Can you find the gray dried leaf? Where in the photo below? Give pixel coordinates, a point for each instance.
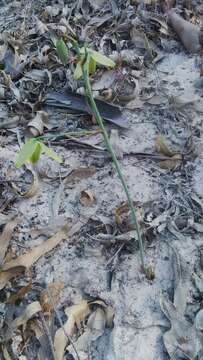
(41, 27)
(97, 4)
(135, 104)
(39, 76)
(198, 227)
(182, 336)
(105, 81)
(116, 143)
(52, 11)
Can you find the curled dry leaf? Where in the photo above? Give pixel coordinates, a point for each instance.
(6, 236)
(76, 315)
(175, 159)
(96, 320)
(87, 198)
(50, 296)
(171, 164)
(101, 317)
(32, 191)
(161, 146)
(15, 267)
(31, 310)
(37, 125)
(20, 294)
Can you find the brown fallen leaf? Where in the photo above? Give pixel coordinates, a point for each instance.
(28, 259)
(49, 297)
(5, 276)
(20, 294)
(76, 315)
(36, 327)
(15, 267)
(175, 159)
(98, 320)
(6, 236)
(171, 164)
(161, 147)
(123, 216)
(87, 198)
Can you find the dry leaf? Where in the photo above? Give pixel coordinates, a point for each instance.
(123, 216)
(157, 100)
(87, 198)
(28, 259)
(36, 125)
(172, 163)
(15, 267)
(135, 104)
(5, 237)
(109, 311)
(20, 294)
(31, 310)
(36, 328)
(50, 296)
(5, 218)
(80, 174)
(33, 188)
(97, 322)
(5, 276)
(76, 315)
(161, 146)
(41, 27)
(116, 143)
(5, 353)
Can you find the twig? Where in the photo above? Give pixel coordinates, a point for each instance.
(99, 119)
(115, 255)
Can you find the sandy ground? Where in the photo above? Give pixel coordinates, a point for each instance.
(81, 262)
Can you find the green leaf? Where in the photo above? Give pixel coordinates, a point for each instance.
(25, 153)
(92, 65)
(62, 51)
(78, 71)
(36, 154)
(45, 149)
(99, 57)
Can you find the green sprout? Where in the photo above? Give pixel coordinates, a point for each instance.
(31, 151)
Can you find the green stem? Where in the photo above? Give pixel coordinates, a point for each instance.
(99, 119)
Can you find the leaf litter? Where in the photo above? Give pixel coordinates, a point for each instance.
(153, 78)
